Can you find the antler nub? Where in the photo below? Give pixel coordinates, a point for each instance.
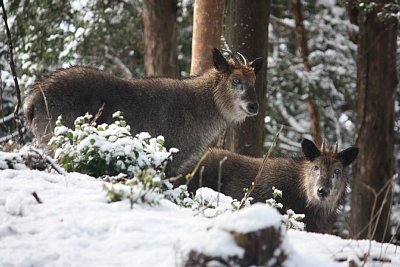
(235, 60)
(243, 58)
(323, 146)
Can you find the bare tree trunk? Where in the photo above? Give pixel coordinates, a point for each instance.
(207, 29)
(246, 31)
(301, 40)
(301, 33)
(315, 130)
(376, 85)
(160, 44)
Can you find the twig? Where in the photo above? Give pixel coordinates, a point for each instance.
(54, 165)
(47, 110)
(37, 198)
(374, 215)
(281, 22)
(1, 101)
(260, 170)
(201, 176)
(189, 176)
(98, 114)
(209, 205)
(17, 120)
(111, 55)
(220, 177)
(43, 158)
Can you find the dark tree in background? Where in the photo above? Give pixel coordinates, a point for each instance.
(246, 31)
(160, 38)
(302, 46)
(376, 84)
(207, 29)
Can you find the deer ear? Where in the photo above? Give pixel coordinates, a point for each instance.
(348, 155)
(219, 61)
(310, 150)
(257, 64)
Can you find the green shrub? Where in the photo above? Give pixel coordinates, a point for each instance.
(108, 149)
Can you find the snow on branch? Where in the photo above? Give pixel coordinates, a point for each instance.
(110, 54)
(292, 121)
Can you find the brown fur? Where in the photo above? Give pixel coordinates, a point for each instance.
(190, 113)
(295, 176)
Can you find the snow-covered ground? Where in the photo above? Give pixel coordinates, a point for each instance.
(75, 226)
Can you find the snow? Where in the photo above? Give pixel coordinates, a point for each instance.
(254, 218)
(75, 226)
(214, 242)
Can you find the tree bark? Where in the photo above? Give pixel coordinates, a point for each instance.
(376, 85)
(301, 33)
(160, 39)
(301, 43)
(207, 29)
(246, 31)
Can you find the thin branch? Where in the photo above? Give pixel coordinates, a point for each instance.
(110, 54)
(220, 177)
(34, 194)
(260, 170)
(281, 22)
(375, 215)
(292, 121)
(201, 176)
(17, 120)
(9, 137)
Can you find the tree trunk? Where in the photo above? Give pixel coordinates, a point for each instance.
(301, 43)
(160, 43)
(301, 33)
(315, 130)
(246, 31)
(376, 84)
(261, 248)
(207, 29)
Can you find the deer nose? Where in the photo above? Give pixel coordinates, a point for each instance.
(252, 107)
(323, 192)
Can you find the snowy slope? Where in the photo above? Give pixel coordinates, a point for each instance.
(75, 226)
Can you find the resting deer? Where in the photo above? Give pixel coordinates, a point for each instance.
(314, 184)
(190, 112)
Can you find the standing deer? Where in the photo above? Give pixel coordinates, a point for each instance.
(190, 113)
(314, 184)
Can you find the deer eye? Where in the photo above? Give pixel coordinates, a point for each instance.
(316, 168)
(337, 171)
(236, 81)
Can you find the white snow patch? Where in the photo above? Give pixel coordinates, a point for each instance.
(75, 226)
(253, 218)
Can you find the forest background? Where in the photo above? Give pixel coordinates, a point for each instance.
(331, 72)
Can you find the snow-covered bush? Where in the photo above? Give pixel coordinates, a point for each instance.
(290, 219)
(11, 161)
(109, 149)
(111, 152)
(179, 195)
(147, 191)
(211, 203)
